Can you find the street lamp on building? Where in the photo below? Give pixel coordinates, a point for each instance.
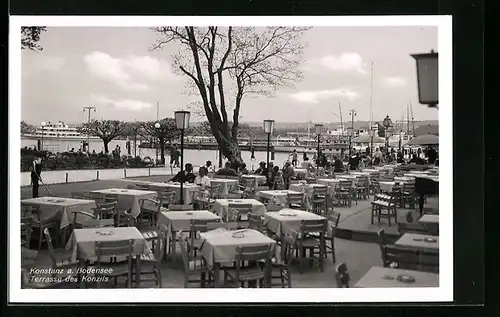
(318, 128)
(182, 123)
(157, 126)
(428, 78)
(268, 128)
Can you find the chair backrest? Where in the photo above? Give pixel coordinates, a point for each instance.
(180, 207)
(320, 190)
(114, 249)
(105, 209)
(50, 247)
(250, 184)
(184, 251)
(97, 223)
(405, 227)
(288, 245)
(294, 198)
(408, 188)
(309, 226)
(345, 184)
(26, 225)
(32, 211)
(76, 223)
(165, 197)
(215, 191)
(253, 253)
(279, 184)
(215, 225)
(333, 219)
(161, 241)
(362, 180)
(273, 207)
(98, 197)
(342, 276)
(255, 222)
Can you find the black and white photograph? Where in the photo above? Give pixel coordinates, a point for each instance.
(286, 158)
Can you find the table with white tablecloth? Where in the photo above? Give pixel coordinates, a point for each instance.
(219, 246)
(221, 207)
(278, 196)
(128, 198)
(260, 179)
(379, 277)
(225, 184)
(54, 207)
(288, 219)
(187, 190)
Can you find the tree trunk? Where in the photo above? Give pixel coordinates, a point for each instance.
(162, 150)
(106, 142)
(231, 150)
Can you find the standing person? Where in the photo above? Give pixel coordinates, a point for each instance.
(294, 156)
(36, 171)
(177, 156)
(304, 156)
(432, 155)
(288, 173)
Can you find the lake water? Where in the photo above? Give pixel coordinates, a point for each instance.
(196, 157)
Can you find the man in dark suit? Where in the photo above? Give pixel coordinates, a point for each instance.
(186, 175)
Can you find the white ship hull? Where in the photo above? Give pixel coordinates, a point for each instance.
(51, 137)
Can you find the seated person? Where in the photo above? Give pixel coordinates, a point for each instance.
(307, 164)
(209, 167)
(243, 169)
(275, 175)
(202, 179)
(226, 171)
(260, 170)
(186, 175)
(354, 162)
(338, 165)
(400, 158)
(288, 174)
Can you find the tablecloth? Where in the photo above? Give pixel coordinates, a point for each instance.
(187, 190)
(387, 277)
(220, 207)
(181, 220)
(54, 207)
(261, 179)
(279, 196)
(225, 184)
(129, 198)
(417, 241)
(279, 222)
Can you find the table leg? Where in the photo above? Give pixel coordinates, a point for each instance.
(216, 275)
(138, 271)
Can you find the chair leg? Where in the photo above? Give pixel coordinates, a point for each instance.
(40, 239)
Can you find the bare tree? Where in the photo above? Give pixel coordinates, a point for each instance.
(224, 65)
(30, 36)
(106, 130)
(166, 132)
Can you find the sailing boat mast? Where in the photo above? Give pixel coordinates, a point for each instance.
(407, 119)
(341, 119)
(412, 122)
(371, 91)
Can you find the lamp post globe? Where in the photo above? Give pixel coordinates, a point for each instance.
(157, 126)
(318, 128)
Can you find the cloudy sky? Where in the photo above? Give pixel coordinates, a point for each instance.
(114, 70)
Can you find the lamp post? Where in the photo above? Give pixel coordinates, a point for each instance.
(157, 126)
(352, 113)
(372, 135)
(318, 128)
(88, 108)
(428, 78)
(182, 123)
(268, 128)
(387, 123)
(43, 126)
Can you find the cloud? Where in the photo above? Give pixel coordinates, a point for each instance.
(346, 62)
(128, 72)
(50, 63)
(320, 95)
(124, 104)
(395, 81)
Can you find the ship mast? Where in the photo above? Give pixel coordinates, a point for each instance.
(412, 122)
(341, 119)
(371, 92)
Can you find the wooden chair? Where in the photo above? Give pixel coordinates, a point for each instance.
(154, 259)
(180, 207)
(26, 228)
(38, 224)
(342, 276)
(295, 201)
(97, 223)
(318, 199)
(278, 183)
(61, 259)
(151, 208)
(205, 200)
(384, 206)
(344, 192)
(252, 273)
(333, 222)
(105, 210)
(249, 187)
(410, 259)
(408, 196)
(98, 197)
(241, 211)
(308, 240)
(405, 227)
(284, 262)
(114, 249)
(197, 226)
(193, 267)
(362, 187)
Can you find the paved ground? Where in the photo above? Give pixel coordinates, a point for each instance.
(359, 256)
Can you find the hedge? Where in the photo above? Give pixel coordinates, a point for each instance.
(75, 160)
